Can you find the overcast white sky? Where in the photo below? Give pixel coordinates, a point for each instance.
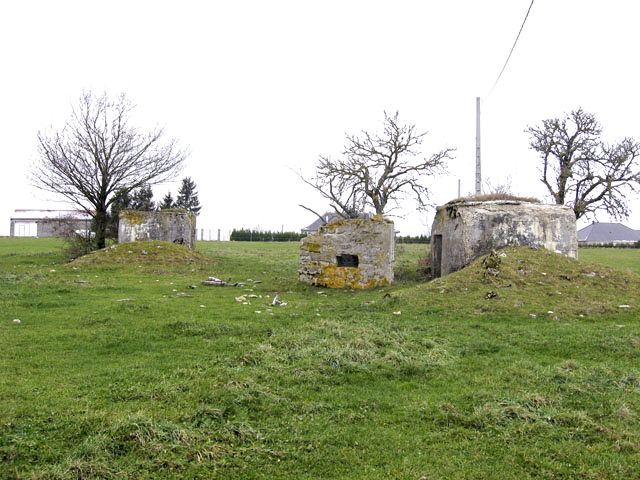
(258, 88)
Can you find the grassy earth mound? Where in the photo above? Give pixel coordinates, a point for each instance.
(534, 282)
(155, 253)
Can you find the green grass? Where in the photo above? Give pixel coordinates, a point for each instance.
(623, 258)
(119, 369)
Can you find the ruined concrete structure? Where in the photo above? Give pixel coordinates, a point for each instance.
(356, 253)
(170, 226)
(49, 223)
(464, 230)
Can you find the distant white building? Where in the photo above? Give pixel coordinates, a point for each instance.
(47, 223)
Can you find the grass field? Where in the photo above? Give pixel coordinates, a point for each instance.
(120, 369)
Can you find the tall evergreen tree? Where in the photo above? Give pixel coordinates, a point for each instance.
(188, 197)
(142, 199)
(167, 202)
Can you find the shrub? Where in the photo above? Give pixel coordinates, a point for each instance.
(78, 243)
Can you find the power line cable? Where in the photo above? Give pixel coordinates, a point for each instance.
(512, 49)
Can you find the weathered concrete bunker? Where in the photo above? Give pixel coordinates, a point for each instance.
(464, 230)
(170, 226)
(355, 253)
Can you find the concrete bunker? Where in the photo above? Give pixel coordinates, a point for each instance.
(354, 253)
(169, 226)
(464, 230)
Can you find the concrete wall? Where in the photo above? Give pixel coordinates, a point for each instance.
(177, 227)
(47, 227)
(465, 230)
(354, 253)
(61, 228)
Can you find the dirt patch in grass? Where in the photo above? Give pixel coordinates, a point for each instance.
(143, 253)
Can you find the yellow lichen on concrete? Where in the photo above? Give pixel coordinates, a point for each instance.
(370, 241)
(313, 247)
(133, 217)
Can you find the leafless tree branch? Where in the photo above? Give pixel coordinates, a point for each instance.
(580, 170)
(378, 170)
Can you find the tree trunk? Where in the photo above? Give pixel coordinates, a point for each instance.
(100, 227)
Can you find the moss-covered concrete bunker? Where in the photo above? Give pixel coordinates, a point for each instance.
(356, 253)
(464, 230)
(169, 226)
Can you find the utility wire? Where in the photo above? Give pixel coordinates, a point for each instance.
(512, 49)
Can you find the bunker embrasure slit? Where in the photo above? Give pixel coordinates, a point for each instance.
(348, 260)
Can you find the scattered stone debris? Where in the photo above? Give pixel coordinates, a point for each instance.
(624, 306)
(125, 300)
(277, 301)
(16, 320)
(216, 282)
(492, 294)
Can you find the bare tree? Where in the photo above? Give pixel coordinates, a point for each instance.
(378, 170)
(580, 170)
(98, 152)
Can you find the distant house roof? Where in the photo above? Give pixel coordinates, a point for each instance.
(33, 215)
(328, 217)
(608, 232)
